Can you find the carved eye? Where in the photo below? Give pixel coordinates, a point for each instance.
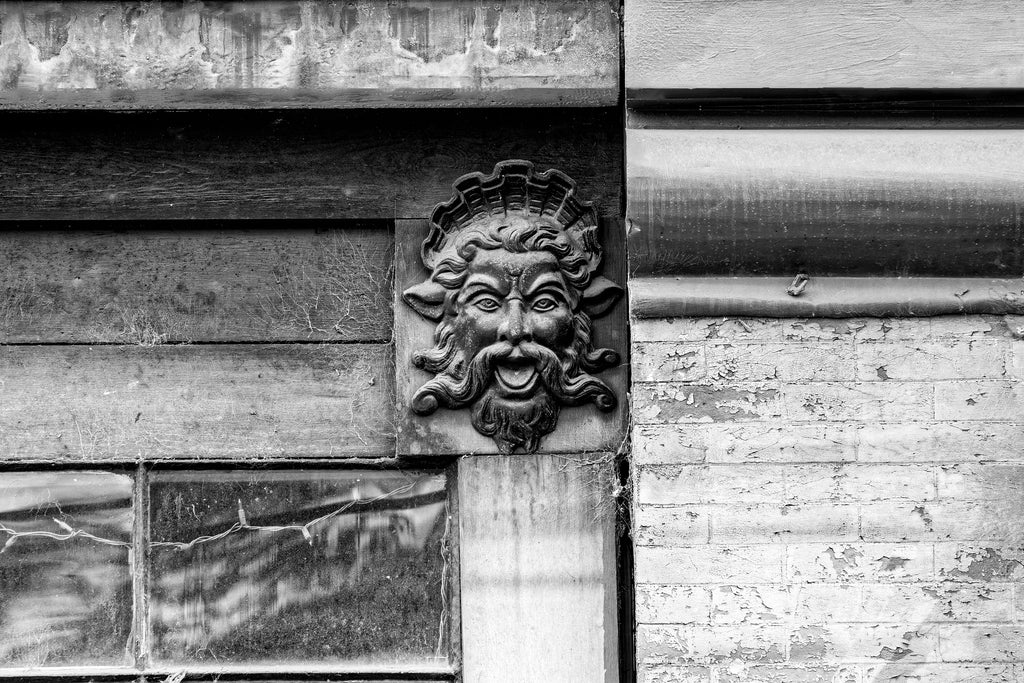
(545, 304)
(487, 304)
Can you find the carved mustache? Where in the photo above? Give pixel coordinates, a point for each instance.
(566, 384)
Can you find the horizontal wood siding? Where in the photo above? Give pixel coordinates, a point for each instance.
(826, 202)
(75, 403)
(292, 53)
(729, 44)
(225, 165)
(179, 283)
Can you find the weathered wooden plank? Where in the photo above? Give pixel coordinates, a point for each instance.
(306, 53)
(176, 284)
(285, 674)
(78, 403)
(728, 44)
(851, 202)
(537, 546)
(352, 164)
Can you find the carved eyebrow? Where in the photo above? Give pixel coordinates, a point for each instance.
(477, 284)
(547, 284)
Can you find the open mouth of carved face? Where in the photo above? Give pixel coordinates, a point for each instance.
(516, 376)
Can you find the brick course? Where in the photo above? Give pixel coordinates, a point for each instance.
(829, 500)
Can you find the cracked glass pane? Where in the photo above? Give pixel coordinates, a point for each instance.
(65, 582)
(299, 566)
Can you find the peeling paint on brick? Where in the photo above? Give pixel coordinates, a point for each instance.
(843, 561)
(984, 564)
(891, 503)
(809, 643)
(671, 402)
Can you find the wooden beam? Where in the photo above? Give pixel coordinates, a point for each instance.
(269, 165)
(718, 44)
(537, 547)
(74, 403)
(289, 53)
(849, 202)
(186, 284)
(829, 297)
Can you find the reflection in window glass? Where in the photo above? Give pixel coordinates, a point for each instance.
(65, 586)
(275, 567)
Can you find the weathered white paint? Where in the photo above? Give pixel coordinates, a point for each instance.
(301, 53)
(829, 500)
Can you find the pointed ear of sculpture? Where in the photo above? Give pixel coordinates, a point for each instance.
(427, 299)
(600, 296)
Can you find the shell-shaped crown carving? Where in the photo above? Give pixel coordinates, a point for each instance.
(514, 188)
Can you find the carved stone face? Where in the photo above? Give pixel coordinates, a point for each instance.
(519, 300)
(513, 339)
(513, 259)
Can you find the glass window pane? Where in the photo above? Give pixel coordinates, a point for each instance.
(65, 597)
(289, 566)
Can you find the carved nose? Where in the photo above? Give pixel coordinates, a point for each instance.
(514, 330)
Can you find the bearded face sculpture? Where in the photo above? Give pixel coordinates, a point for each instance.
(513, 288)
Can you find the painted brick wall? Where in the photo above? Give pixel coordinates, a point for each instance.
(834, 500)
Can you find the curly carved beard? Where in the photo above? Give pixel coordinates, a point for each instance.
(514, 423)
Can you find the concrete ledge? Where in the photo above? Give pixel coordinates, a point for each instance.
(828, 297)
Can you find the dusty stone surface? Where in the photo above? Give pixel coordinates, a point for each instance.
(829, 500)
